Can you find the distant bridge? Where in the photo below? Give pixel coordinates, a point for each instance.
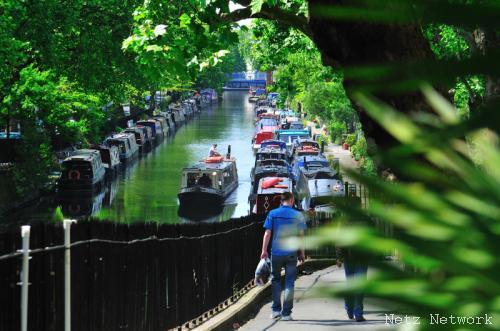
(246, 80)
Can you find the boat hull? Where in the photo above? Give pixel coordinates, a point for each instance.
(200, 197)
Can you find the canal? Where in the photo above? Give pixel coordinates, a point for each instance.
(147, 190)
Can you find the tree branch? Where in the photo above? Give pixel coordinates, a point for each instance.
(299, 22)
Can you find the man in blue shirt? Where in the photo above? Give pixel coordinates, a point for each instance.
(281, 223)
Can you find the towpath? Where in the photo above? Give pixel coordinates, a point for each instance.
(314, 313)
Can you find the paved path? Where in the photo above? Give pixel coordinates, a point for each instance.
(312, 313)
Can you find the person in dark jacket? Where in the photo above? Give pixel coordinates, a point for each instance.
(355, 267)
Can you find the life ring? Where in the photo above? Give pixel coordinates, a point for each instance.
(214, 159)
(74, 174)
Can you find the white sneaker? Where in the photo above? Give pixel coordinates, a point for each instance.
(275, 315)
(287, 318)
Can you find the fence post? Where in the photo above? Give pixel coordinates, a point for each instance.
(67, 274)
(25, 235)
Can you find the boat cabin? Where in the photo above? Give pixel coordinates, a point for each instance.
(289, 136)
(163, 123)
(208, 183)
(303, 147)
(318, 194)
(110, 157)
(126, 145)
(151, 125)
(82, 171)
(148, 135)
(269, 168)
(140, 138)
(269, 193)
(310, 164)
(267, 153)
(261, 136)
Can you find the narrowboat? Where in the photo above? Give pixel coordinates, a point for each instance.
(164, 125)
(148, 136)
(269, 194)
(155, 128)
(257, 94)
(208, 183)
(110, 157)
(264, 169)
(140, 138)
(289, 136)
(272, 149)
(316, 190)
(126, 145)
(208, 96)
(310, 164)
(302, 147)
(83, 171)
(179, 118)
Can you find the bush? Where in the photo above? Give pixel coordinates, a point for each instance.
(350, 139)
(359, 149)
(337, 129)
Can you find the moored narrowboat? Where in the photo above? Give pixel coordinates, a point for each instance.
(83, 171)
(140, 138)
(126, 146)
(148, 137)
(269, 194)
(110, 157)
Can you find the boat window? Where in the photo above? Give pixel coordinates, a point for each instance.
(81, 169)
(316, 165)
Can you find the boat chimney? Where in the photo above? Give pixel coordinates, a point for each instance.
(322, 146)
(305, 163)
(228, 152)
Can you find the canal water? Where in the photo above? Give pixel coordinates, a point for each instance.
(147, 190)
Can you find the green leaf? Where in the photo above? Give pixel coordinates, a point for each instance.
(256, 6)
(184, 20)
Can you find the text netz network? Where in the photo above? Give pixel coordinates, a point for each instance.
(485, 319)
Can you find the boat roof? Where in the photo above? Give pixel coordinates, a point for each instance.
(273, 142)
(203, 166)
(312, 158)
(275, 190)
(86, 157)
(292, 132)
(268, 150)
(325, 187)
(120, 136)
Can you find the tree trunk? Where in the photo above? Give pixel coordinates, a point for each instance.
(346, 43)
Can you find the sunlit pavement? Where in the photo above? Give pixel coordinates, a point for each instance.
(313, 313)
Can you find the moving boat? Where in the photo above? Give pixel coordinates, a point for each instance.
(208, 183)
(83, 171)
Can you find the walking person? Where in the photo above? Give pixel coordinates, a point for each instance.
(355, 267)
(281, 223)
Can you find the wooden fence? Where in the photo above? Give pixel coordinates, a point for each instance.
(128, 277)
